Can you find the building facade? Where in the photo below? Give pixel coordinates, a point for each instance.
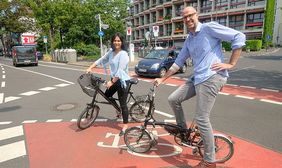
(246, 16)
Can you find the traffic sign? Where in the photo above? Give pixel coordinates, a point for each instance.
(101, 33)
(128, 31)
(45, 39)
(156, 31)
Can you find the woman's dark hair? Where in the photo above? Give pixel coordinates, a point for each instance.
(123, 47)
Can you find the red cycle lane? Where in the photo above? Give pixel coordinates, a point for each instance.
(62, 145)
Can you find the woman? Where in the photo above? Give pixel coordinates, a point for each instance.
(118, 61)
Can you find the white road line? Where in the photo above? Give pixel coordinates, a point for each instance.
(3, 72)
(5, 122)
(271, 90)
(222, 93)
(1, 98)
(170, 84)
(249, 87)
(22, 69)
(11, 132)
(170, 121)
(29, 121)
(3, 84)
(164, 114)
(101, 120)
(47, 88)
(3, 76)
(62, 85)
(245, 97)
(270, 101)
(29, 93)
(54, 120)
(231, 85)
(241, 69)
(11, 151)
(73, 120)
(11, 98)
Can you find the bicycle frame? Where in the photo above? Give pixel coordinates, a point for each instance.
(109, 100)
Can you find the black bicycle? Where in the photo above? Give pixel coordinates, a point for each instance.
(91, 85)
(140, 140)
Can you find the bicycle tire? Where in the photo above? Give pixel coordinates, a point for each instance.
(138, 140)
(139, 110)
(224, 148)
(87, 117)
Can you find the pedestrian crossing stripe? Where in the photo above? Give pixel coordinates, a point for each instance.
(15, 149)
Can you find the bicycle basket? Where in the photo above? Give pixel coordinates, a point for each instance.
(89, 83)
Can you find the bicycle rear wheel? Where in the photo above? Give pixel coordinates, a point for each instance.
(139, 110)
(138, 140)
(87, 117)
(224, 148)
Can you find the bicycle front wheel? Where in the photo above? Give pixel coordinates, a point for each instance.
(224, 148)
(138, 140)
(139, 110)
(87, 117)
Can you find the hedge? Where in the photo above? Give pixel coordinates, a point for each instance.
(253, 45)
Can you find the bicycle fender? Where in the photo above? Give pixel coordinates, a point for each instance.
(222, 135)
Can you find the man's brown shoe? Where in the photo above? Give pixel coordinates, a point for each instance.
(204, 164)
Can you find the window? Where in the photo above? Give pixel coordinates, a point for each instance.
(236, 22)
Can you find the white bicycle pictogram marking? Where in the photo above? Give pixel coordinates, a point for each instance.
(176, 150)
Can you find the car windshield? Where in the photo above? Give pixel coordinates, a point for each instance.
(29, 50)
(157, 54)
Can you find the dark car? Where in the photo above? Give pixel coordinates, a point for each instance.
(24, 55)
(157, 62)
(39, 55)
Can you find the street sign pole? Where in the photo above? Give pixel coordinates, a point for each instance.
(45, 41)
(101, 42)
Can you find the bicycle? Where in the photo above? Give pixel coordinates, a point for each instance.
(140, 140)
(91, 85)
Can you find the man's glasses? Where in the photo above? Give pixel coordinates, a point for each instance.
(189, 16)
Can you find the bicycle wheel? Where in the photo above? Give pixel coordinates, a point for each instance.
(139, 110)
(87, 117)
(223, 148)
(138, 140)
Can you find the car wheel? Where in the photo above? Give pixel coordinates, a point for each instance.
(183, 69)
(162, 72)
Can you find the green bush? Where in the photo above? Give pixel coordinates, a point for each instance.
(87, 50)
(226, 46)
(253, 45)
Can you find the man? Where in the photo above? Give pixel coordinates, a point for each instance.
(203, 45)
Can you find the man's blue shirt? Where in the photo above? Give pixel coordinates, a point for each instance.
(204, 47)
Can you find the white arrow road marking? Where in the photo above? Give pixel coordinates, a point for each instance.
(12, 151)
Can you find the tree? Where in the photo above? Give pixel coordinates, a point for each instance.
(15, 17)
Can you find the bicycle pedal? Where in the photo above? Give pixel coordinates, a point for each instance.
(195, 151)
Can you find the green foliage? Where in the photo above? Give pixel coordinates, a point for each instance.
(87, 50)
(226, 46)
(76, 21)
(268, 21)
(253, 45)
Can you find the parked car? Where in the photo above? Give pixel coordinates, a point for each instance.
(157, 63)
(24, 55)
(39, 55)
